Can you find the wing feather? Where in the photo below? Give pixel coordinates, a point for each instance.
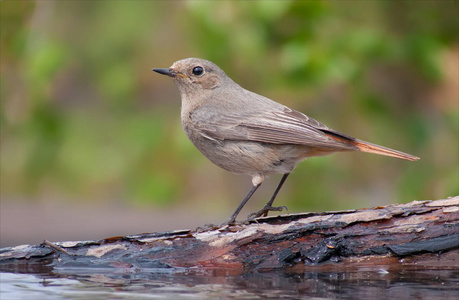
(277, 127)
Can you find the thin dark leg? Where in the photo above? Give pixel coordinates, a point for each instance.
(268, 206)
(279, 186)
(244, 201)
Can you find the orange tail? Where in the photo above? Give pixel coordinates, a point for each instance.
(371, 148)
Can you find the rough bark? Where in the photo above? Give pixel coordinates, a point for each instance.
(417, 234)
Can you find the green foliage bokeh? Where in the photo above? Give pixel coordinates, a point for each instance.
(82, 115)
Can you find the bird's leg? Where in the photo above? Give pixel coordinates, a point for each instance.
(268, 206)
(232, 219)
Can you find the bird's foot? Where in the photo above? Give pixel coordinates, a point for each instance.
(228, 222)
(265, 210)
(231, 222)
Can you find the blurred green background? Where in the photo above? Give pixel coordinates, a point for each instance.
(85, 120)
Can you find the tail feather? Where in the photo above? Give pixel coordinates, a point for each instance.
(371, 148)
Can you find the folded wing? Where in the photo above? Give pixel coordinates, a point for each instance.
(276, 127)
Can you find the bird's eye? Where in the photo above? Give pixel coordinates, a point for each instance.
(198, 71)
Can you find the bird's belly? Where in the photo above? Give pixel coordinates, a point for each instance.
(245, 157)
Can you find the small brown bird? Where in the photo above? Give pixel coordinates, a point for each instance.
(246, 133)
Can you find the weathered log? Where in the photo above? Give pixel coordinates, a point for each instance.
(418, 234)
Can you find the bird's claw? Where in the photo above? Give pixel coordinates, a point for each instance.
(265, 210)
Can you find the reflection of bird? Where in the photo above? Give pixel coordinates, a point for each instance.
(246, 133)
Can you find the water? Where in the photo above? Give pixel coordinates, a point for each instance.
(221, 284)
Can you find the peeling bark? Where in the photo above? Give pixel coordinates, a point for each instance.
(420, 233)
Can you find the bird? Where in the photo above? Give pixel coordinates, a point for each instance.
(246, 133)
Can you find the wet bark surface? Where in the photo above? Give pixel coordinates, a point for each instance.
(420, 234)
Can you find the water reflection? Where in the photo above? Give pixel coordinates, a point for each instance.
(218, 284)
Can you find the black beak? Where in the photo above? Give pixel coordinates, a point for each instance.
(168, 72)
